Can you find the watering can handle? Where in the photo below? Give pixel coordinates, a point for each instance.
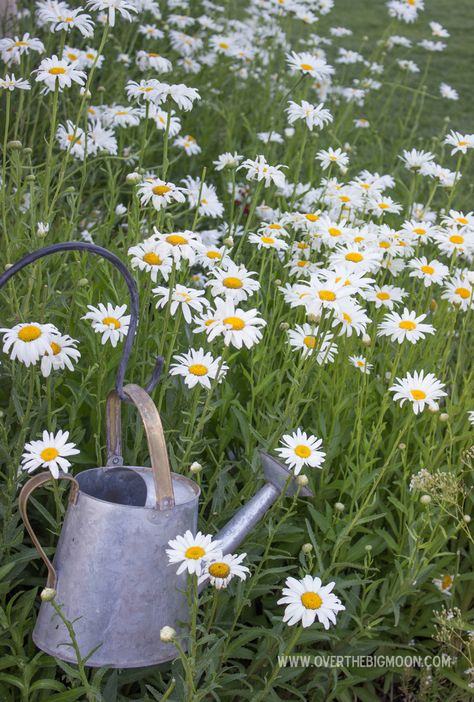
(155, 436)
(25, 494)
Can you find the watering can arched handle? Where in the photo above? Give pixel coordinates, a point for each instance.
(155, 437)
(25, 494)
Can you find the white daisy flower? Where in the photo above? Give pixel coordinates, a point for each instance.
(181, 297)
(444, 584)
(227, 160)
(147, 256)
(310, 64)
(265, 241)
(53, 71)
(420, 389)
(28, 342)
(405, 326)
(300, 450)
(429, 271)
(330, 156)
(308, 338)
(459, 292)
(123, 7)
(110, 321)
(62, 355)
(220, 571)
(235, 282)
(50, 452)
(385, 295)
(360, 362)
(180, 245)
(198, 367)
(160, 193)
(190, 551)
(307, 600)
(238, 327)
(313, 115)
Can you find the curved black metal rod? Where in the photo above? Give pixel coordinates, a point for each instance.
(134, 300)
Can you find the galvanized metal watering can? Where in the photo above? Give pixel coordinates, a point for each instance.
(110, 569)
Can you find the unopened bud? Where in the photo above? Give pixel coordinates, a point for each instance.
(277, 281)
(425, 499)
(366, 340)
(313, 318)
(82, 282)
(8, 266)
(443, 417)
(85, 92)
(433, 408)
(133, 178)
(28, 151)
(433, 305)
(302, 480)
(48, 594)
(15, 145)
(195, 467)
(284, 326)
(229, 241)
(30, 178)
(167, 634)
(307, 548)
(101, 89)
(467, 518)
(402, 446)
(368, 547)
(339, 507)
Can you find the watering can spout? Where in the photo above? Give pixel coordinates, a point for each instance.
(278, 480)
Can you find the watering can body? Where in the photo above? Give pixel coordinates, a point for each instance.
(113, 578)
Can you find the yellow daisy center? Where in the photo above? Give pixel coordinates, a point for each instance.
(354, 257)
(198, 369)
(232, 282)
(334, 231)
(57, 71)
(407, 324)
(306, 67)
(161, 189)
(309, 341)
(111, 321)
(236, 323)
(215, 255)
(446, 582)
(463, 292)
(219, 570)
(302, 451)
(55, 348)
(223, 45)
(302, 264)
(418, 394)
(420, 231)
(311, 600)
(462, 220)
(29, 333)
(49, 454)
(347, 318)
(267, 240)
(456, 239)
(152, 258)
(312, 217)
(176, 240)
(274, 226)
(383, 295)
(384, 244)
(194, 553)
(344, 198)
(327, 295)
(429, 270)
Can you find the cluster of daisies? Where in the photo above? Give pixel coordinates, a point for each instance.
(306, 600)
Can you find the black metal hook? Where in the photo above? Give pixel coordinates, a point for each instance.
(134, 301)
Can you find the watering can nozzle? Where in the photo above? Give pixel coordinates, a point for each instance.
(279, 479)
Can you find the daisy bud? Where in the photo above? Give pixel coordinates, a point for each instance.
(101, 89)
(48, 594)
(314, 318)
(366, 340)
(467, 518)
(402, 446)
(443, 417)
(388, 375)
(30, 178)
(277, 281)
(307, 548)
(167, 634)
(8, 266)
(195, 467)
(433, 305)
(433, 408)
(302, 480)
(82, 282)
(339, 507)
(229, 241)
(42, 228)
(284, 326)
(15, 145)
(133, 178)
(28, 151)
(425, 499)
(368, 547)
(85, 92)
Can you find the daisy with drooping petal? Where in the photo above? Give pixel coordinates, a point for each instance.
(188, 300)
(198, 367)
(147, 257)
(123, 7)
(460, 142)
(235, 283)
(313, 115)
(310, 64)
(405, 326)
(190, 551)
(459, 292)
(308, 338)
(419, 389)
(160, 193)
(300, 450)
(238, 327)
(429, 271)
(11, 83)
(331, 156)
(227, 160)
(49, 452)
(259, 169)
(360, 362)
(58, 72)
(27, 342)
(220, 571)
(444, 584)
(179, 245)
(110, 321)
(307, 600)
(63, 353)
